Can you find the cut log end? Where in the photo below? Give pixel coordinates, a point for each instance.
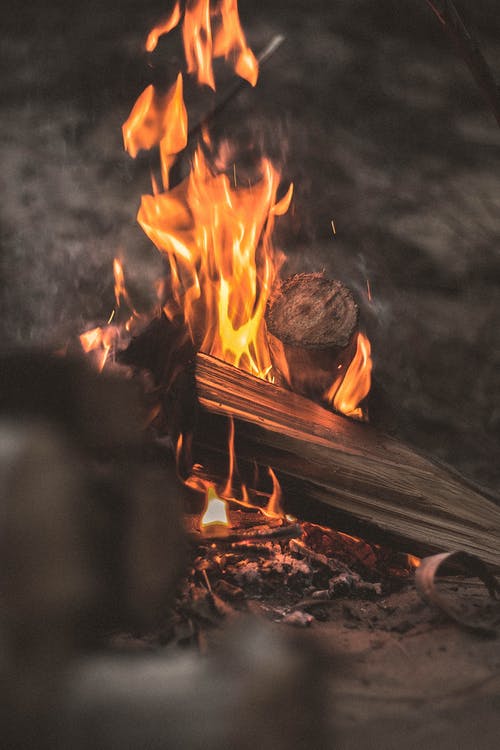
(312, 312)
(312, 324)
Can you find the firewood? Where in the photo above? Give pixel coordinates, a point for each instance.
(336, 470)
(311, 329)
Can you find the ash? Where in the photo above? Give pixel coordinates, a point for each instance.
(295, 581)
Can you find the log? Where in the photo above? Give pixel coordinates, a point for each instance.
(370, 485)
(311, 324)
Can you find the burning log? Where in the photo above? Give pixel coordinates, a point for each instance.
(311, 330)
(333, 469)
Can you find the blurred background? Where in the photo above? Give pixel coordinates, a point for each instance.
(368, 111)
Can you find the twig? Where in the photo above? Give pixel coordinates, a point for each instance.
(467, 47)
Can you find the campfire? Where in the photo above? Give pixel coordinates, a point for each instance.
(206, 469)
(223, 295)
(261, 382)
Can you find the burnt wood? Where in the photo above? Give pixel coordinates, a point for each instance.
(312, 323)
(371, 485)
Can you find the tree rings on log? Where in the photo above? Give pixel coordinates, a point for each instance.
(312, 322)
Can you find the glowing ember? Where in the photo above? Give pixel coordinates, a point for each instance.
(215, 513)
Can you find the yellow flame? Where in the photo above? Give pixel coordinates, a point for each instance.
(223, 264)
(216, 510)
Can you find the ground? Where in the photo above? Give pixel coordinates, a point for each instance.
(383, 131)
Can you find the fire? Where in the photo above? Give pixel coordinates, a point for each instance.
(216, 236)
(223, 265)
(208, 33)
(216, 510)
(274, 504)
(98, 342)
(349, 390)
(157, 119)
(216, 232)
(101, 341)
(163, 28)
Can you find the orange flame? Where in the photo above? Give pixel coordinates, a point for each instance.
(222, 261)
(121, 292)
(230, 43)
(348, 392)
(163, 28)
(98, 342)
(197, 38)
(157, 119)
(274, 505)
(202, 43)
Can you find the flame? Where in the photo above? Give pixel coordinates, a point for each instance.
(121, 292)
(349, 390)
(413, 561)
(229, 42)
(216, 510)
(217, 237)
(274, 504)
(208, 33)
(101, 341)
(216, 233)
(98, 342)
(223, 265)
(163, 28)
(157, 119)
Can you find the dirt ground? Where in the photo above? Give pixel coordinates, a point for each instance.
(381, 129)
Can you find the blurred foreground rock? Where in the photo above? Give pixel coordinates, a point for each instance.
(92, 543)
